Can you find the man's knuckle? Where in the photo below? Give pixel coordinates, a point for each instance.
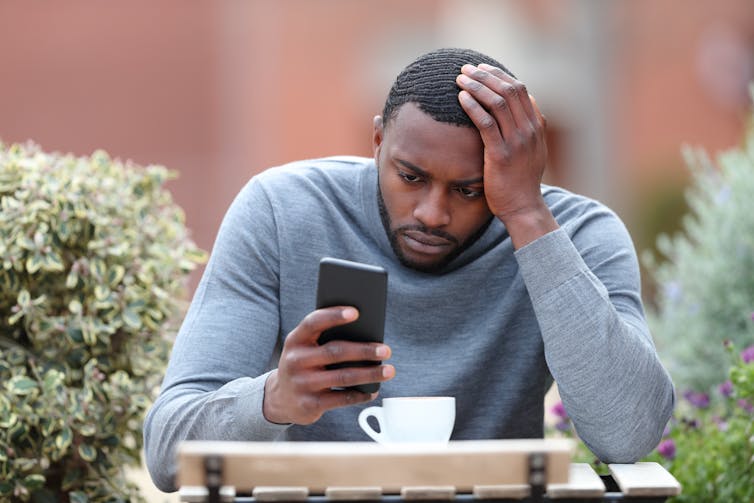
(291, 359)
(334, 350)
(298, 381)
(501, 155)
(510, 91)
(308, 323)
(487, 122)
(474, 85)
(344, 378)
(531, 135)
(499, 103)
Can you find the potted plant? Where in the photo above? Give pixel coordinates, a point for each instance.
(94, 255)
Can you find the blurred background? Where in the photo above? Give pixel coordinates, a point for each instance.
(221, 90)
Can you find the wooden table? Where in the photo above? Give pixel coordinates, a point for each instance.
(489, 470)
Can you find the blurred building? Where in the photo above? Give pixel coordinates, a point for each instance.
(222, 90)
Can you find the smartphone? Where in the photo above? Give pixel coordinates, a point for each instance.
(363, 286)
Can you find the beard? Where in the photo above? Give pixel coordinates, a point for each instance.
(433, 268)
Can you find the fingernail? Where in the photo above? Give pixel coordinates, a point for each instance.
(463, 79)
(468, 68)
(388, 371)
(382, 351)
(349, 313)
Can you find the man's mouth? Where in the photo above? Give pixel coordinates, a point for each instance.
(426, 244)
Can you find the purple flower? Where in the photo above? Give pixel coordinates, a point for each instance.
(726, 388)
(559, 410)
(747, 355)
(721, 423)
(745, 405)
(563, 425)
(667, 449)
(697, 399)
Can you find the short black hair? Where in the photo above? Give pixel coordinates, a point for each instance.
(430, 82)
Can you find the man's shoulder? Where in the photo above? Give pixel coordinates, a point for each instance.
(338, 181)
(323, 168)
(561, 200)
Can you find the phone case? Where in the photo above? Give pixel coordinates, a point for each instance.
(364, 286)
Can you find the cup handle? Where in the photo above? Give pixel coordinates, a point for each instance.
(376, 412)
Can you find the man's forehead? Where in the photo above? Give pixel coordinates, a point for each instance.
(411, 114)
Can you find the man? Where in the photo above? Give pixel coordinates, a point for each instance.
(497, 284)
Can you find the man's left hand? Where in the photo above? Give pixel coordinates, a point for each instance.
(515, 149)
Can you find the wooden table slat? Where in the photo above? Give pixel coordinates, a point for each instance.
(432, 493)
(282, 493)
(583, 482)
(319, 465)
(198, 494)
(644, 479)
(509, 491)
(353, 493)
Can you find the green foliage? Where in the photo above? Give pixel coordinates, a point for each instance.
(706, 284)
(93, 259)
(708, 444)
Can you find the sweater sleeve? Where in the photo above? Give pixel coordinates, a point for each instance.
(214, 384)
(584, 285)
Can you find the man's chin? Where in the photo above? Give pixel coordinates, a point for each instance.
(432, 264)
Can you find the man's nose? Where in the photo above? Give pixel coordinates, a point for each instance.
(433, 208)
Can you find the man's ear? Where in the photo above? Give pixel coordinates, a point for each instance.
(377, 136)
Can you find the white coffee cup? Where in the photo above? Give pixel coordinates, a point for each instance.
(411, 419)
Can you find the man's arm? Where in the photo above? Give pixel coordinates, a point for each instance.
(218, 384)
(597, 343)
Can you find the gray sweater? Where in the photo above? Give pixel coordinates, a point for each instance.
(493, 329)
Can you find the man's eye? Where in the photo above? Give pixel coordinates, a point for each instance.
(470, 193)
(409, 177)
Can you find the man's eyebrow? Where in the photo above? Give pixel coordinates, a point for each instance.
(413, 167)
(459, 183)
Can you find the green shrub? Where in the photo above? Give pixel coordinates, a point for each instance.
(708, 444)
(706, 284)
(93, 260)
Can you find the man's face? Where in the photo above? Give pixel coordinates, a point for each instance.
(430, 181)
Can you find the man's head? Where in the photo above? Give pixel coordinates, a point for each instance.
(430, 158)
(430, 83)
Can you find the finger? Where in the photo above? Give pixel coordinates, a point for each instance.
(347, 377)
(516, 87)
(316, 322)
(333, 399)
(311, 356)
(488, 127)
(540, 115)
(495, 104)
(337, 351)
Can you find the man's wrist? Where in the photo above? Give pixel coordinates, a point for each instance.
(529, 224)
(268, 408)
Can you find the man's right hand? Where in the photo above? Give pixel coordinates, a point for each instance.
(300, 390)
